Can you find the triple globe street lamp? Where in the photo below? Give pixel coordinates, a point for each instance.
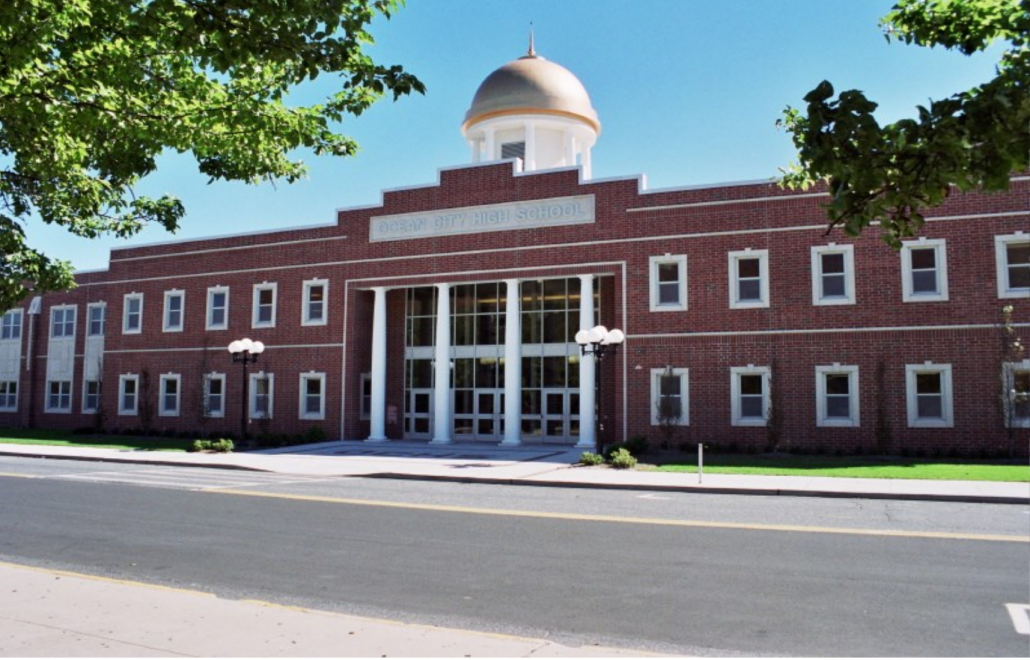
(599, 341)
(245, 352)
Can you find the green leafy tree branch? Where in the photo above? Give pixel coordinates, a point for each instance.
(93, 91)
(974, 139)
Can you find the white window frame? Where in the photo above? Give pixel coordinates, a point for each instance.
(736, 413)
(208, 379)
(166, 325)
(1001, 260)
(53, 321)
(818, 296)
(680, 260)
(305, 312)
(946, 420)
(1011, 368)
(86, 408)
(734, 280)
(126, 328)
(208, 323)
(302, 411)
(255, 308)
(908, 294)
(253, 394)
(683, 374)
(58, 409)
(122, 380)
(10, 329)
(8, 394)
(92, 308)
(822, 417)
(162, 410)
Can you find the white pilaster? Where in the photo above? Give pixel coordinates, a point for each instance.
(587, 163)
(512, 366)
(491, 151)
(587, 369)
(530, 160)
(378, 412)
(442, 391)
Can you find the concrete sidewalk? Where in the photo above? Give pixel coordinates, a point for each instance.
(51, 613)
(536, 465)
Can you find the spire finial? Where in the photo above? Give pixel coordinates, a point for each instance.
(532, 50)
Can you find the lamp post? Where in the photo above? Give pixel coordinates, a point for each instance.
(245, 352)
(599, 341)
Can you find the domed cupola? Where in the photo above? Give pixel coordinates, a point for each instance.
(534, 110)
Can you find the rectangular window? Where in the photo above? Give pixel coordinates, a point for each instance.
(218, 308)
(833, 275)
(170, 389)
(749, 387)
(314, 310)
(749, 279)
(1017, 377)
(214, 395)
(924, 271)
(8, 396)
(62, 321)
(132, 314)
(128, 394)
(928, 388)
(366, 396)
(96, 315)
(262, 397)
(312, 396)
(668, 283)
(669, 397)
(836, 389)
(1012, 259)
(175, 302)
(91, 396)
(264, 306)
(513, 150)
(10, 324)
(59, 396)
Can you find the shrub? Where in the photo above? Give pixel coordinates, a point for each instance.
(686, 447)
(590, 458)
(222, 445)
(636, 445)
(314, 434)
(621, 459)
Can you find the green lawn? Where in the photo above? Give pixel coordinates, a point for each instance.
(853, 466)
(69, 439)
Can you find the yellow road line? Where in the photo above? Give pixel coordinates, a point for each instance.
(18, 475)
(631, 521)
(100, 578)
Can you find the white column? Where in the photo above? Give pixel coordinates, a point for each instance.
(570, 149)
(476, 149)
(442, 421)
(512, 366)
(490, 146)
(587, 164)
(530, 156)
(378, 412)
(587, 368)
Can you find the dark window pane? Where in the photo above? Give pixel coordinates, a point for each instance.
(486, 298)
(668, 272)
(833, 286)
(924, 258)
(670, 385)
(486, 330)
(833, 263)
(669, 293)
(751, 406)
(837, 384)
(554, 328)
(463, 402)
(838, 406)
(554, 294)
(748, 268)
(930, 406)
(750, 290)
(751, 384)
(924, 282)
(928, 383)
(464, 372)
(554, 371)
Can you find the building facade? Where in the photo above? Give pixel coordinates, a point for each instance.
(448, 313)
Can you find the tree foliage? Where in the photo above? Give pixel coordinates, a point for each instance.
(973, 139)
(93, 91)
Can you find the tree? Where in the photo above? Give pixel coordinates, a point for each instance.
(974, 139)
(93, 91)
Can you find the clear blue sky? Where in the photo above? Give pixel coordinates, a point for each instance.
(688, 93)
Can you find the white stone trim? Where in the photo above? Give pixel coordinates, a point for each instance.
(908, 293)
(848, 252)
(302, 410)
(946, 420)
(736, 414)
(680, 260)
(821, 419)
(683, 374)
(1001, 244)
(734, 258)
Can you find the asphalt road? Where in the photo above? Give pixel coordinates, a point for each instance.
(680, 573)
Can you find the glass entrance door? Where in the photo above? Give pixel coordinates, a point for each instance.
(555, 411)
(418, 417)
(489, 407)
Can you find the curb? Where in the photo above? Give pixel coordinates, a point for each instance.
(544, 483)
